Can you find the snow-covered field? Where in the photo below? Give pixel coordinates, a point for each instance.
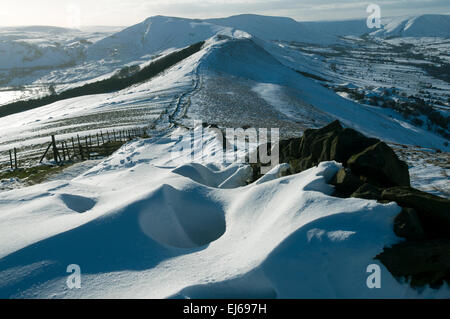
(150, 222)
(170, 230)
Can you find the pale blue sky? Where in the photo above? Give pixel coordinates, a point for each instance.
(70, 13)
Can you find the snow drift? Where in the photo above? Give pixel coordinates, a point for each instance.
(149, 230)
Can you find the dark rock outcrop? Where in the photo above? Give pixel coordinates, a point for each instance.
(424, 222)
(345, 182)
(433, 211)
(369, 159)
(407, 225)
(372, 170)
(421, 262)
(368, 191)
(349, 142)
(381, 166)
(330, 143)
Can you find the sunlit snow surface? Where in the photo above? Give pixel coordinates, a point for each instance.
(140, 226)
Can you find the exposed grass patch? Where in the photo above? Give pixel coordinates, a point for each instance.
(35, 175)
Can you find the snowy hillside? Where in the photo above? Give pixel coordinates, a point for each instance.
(157, 34)
(340, 28)
(416, 26)
(153, 36)
(231, 82)
(34, 57)
(29, 47)
(427, 25)
(245, 59)
(154, 220)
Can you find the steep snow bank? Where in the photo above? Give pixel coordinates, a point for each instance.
(152, 229)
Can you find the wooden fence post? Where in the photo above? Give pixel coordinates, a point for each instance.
(10, 159)
(73, 147)
(80, 147)
(67, 150)
(55, 149)
(15, 158)
(45, 153)
(63, 151)
(87, 147)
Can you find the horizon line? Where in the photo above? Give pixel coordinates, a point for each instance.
(225, 17)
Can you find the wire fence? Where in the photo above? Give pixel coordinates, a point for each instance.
(74, 148)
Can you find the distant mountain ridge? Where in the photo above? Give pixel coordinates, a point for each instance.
(45, 46)
(425, 25)
(159, 33)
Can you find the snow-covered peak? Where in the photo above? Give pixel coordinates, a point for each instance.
(154, 35)
(160, 33)
(273, 28)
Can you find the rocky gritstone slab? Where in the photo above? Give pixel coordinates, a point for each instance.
(422, 263)
(369, 159)
(380, 165)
